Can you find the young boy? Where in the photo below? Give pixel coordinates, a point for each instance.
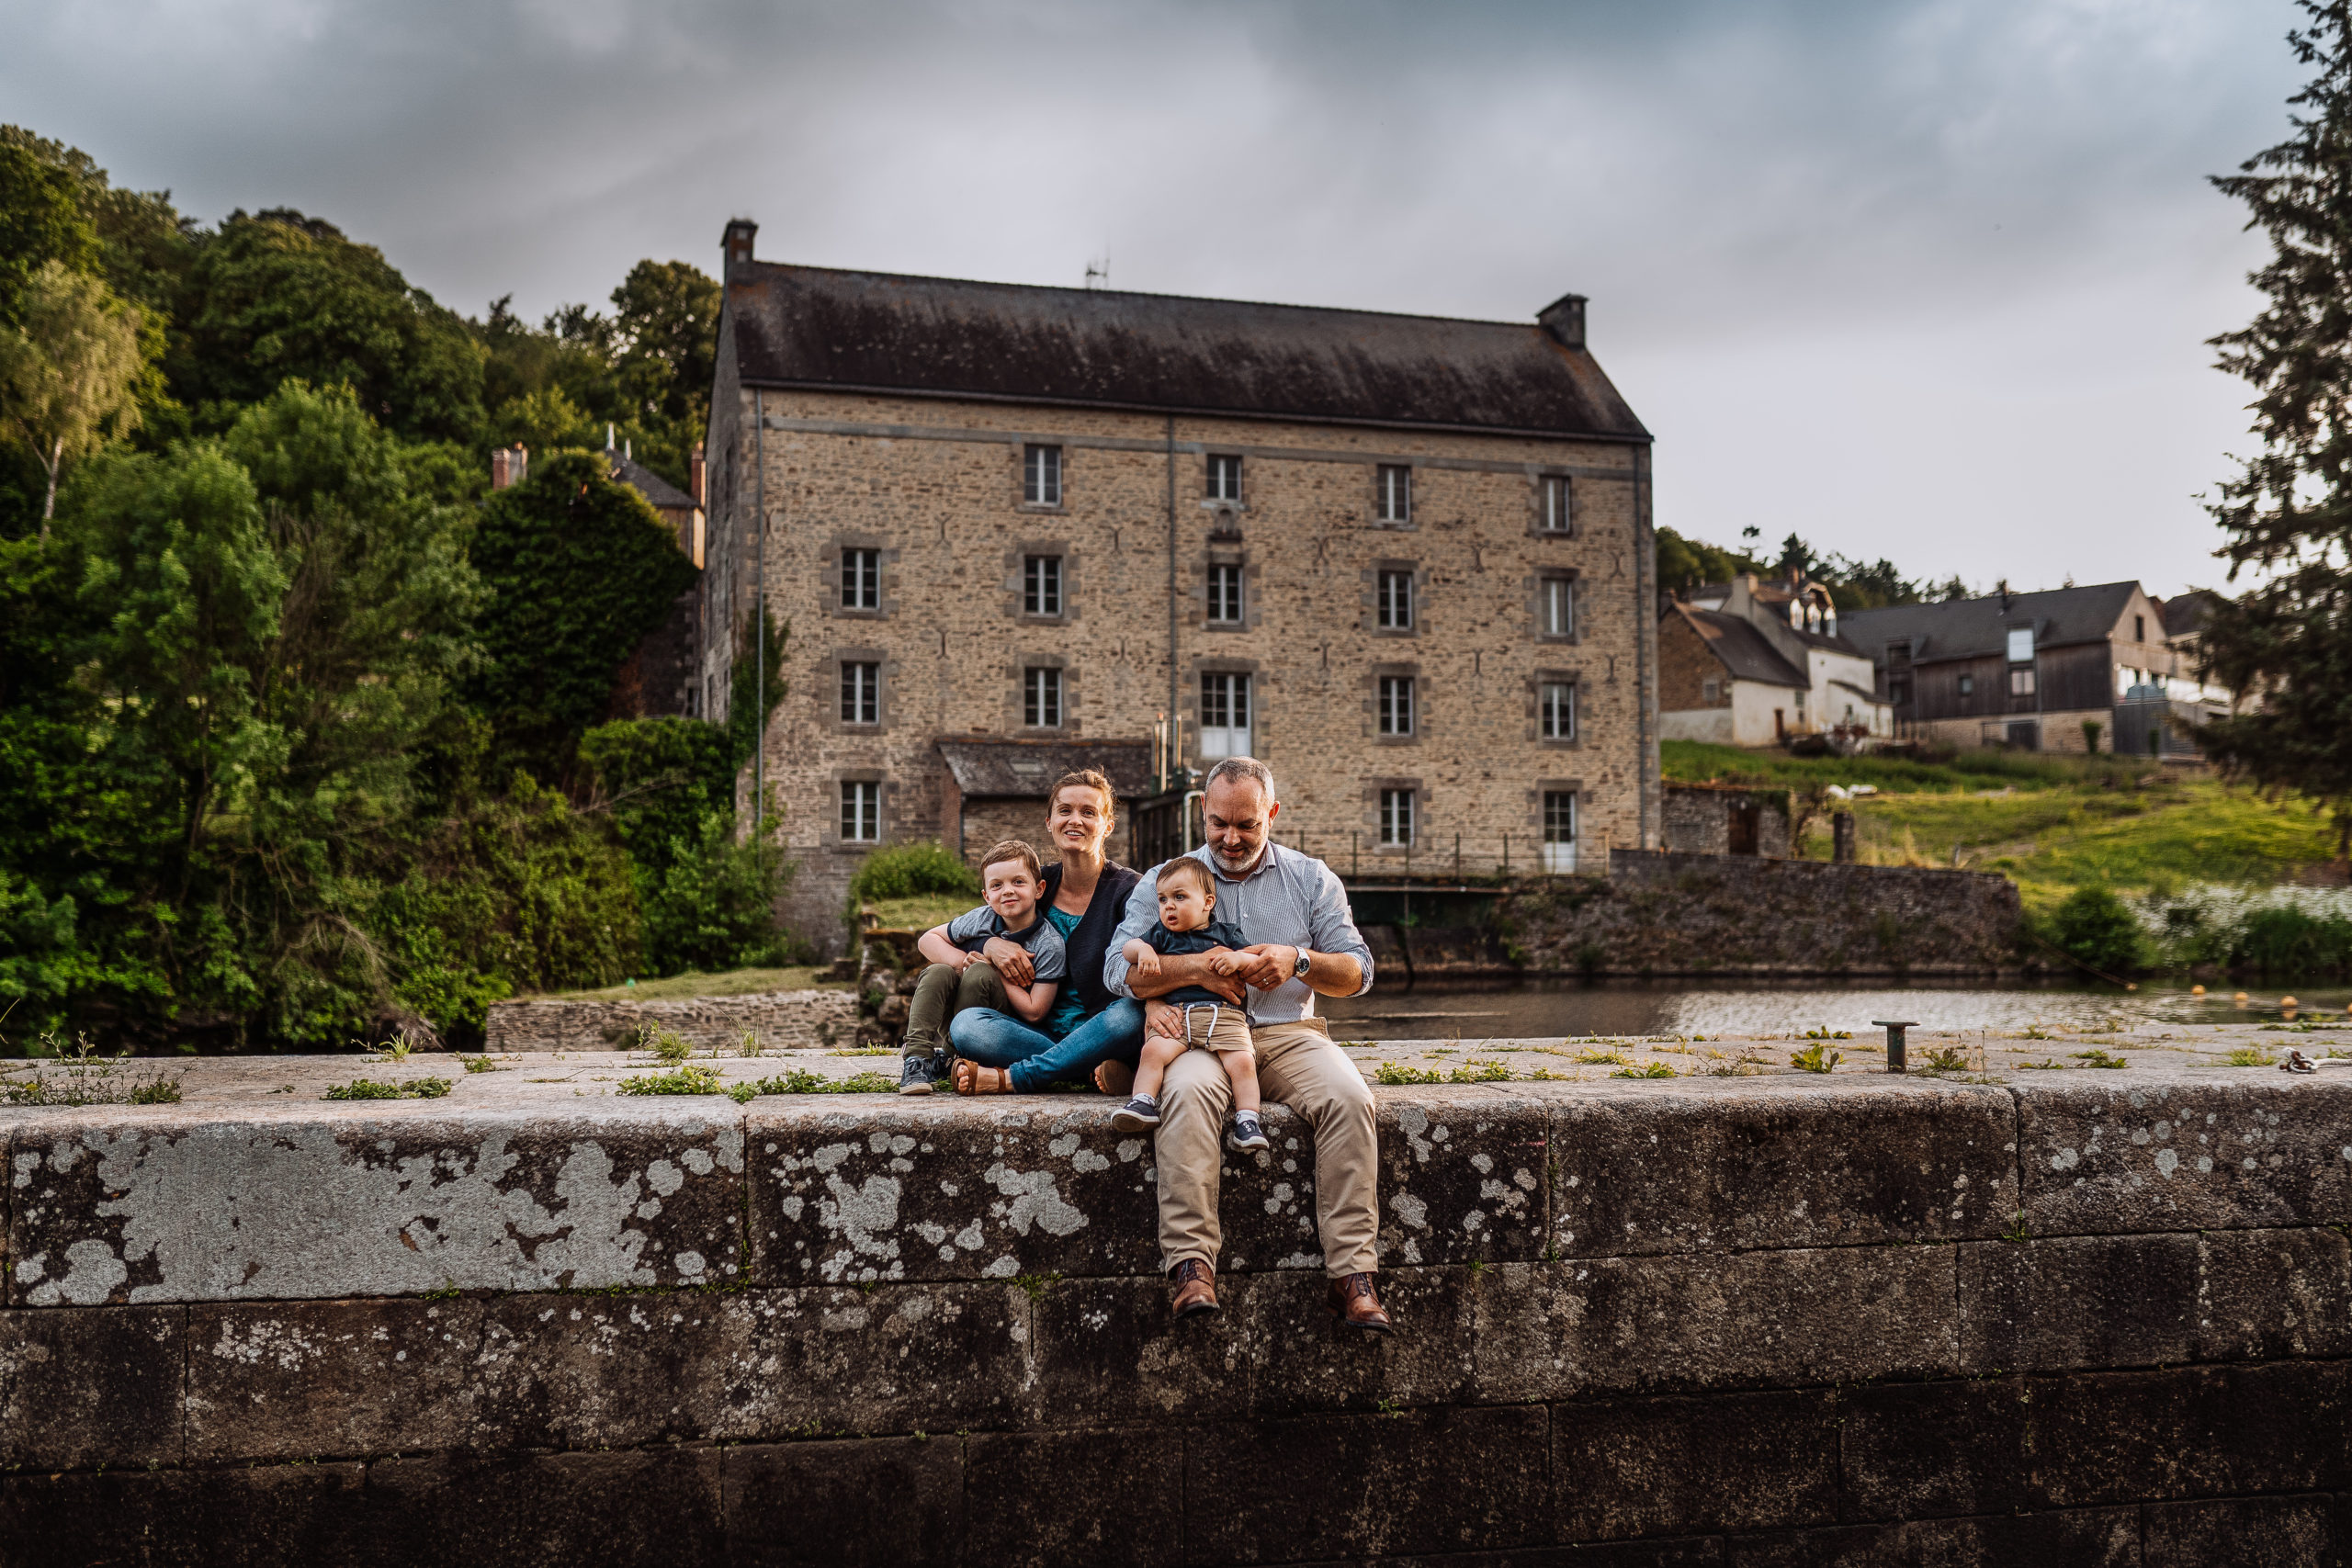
(1010, 881)
(1187, 905)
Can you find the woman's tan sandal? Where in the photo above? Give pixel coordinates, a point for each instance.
(973, 1079)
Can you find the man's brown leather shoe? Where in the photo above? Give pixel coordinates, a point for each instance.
(1354, 1304)
(1195, 1284)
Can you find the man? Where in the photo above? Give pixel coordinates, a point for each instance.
(1294, 912)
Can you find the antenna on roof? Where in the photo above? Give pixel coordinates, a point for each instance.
(1098, 274)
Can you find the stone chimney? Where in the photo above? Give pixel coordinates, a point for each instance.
(508, 466)
(736, 244)
(1564, 319)
(695, 476)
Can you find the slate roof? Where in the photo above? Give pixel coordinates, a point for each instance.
(870, 332)
(1966, 628)
(659, 491)
(2186, 613)
(1027, 769)
(1741, 647)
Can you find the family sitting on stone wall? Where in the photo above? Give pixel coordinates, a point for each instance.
(1187, 990)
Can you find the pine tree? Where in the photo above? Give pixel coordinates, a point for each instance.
(2288, 514)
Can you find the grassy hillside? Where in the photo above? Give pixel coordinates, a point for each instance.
(2052, 823)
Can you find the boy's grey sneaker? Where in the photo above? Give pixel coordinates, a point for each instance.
(918, 1076)
(1248, 1135)
(1140, 1114)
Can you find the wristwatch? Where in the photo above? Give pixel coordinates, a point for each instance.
(1300, 972)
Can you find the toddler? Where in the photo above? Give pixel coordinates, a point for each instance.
(1187, 903)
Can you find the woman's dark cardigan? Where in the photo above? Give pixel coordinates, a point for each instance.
(1089, 944)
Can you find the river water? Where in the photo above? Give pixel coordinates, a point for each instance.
(1539, 1008)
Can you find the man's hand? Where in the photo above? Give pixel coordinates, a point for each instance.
(1267, 964)
(1162, 1018)
(1012, 961)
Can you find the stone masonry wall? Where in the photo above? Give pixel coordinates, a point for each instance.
(785, 1021)
(2103, 1319)
(1689, 914)
(936, 487)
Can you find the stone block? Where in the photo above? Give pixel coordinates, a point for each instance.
(2127, 1437)
(1107, 1353)
(656, 1507)
(1680, 1467)
(877, 1502)
(948, 1189)
(1304, 1364)
(2273, 1293)
(1750, 1164)
(608, 1371)
(1075, 1499)
(1349, 1486)
(335, 1380)
(326, 1201)
(1922, 1451)
(2077, 1302)
(898, 1359)
(1700, 1321)
(1460, 1178)
(2291, 1427)
(91, 1386)
(2166, 1152)
(271, 1516)
(2245, 1532)
(2108, 1537)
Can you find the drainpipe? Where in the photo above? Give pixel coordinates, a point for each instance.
(1644, 638)
(1175, 723)
(759, 613)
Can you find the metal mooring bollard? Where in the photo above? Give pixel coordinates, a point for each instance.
(1894, 1063)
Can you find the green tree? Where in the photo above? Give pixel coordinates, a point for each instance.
(68, 373)
(278, 295)
(2286, 515)
(666, 320)
(41, 222)
(581, 570)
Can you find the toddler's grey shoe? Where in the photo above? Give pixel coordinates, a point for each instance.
(1140, 1114)
(1248, 1135)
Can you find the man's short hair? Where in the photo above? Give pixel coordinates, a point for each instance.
(1243, 768)
(1184, 868)
(1012, 849)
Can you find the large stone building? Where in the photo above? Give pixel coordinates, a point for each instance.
(1404, 559)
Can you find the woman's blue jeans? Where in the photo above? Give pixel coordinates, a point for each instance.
(1033, 1058)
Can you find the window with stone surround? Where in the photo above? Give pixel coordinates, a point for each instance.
(1225, 715)
(1555, 709)
(1392, 493)
(1555, 607)
(861, 580)
(1224, 606)
(1396, 704)
(1396, 819)
(1553, 510)
(1041, 476)
(1040, 585)
(1225, 478)
(1559, 831)
(860, 811)
(1394, 601)
(861, 692)
(1041, 697)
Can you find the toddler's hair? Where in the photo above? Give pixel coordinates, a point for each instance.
(1183, 868)
(1012, 849)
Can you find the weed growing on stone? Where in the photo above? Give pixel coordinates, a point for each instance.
(83, 1076)
(670, 1047)
(2252, 1056)
(1945, 1059)
(478, 1064)
(1603, 1056)
(2018, 1232)
(687, 1078)
(1486, 1071)
(800, 1080)
(1390, 1073)
(1036, 1285)
(2037, 1032)
(2047, 1063)
(1441, 1051)
(868, 1051)
(1654, 1070)
(1825, 1032)
(1545, 1074)
(748, 1043)
(369, 1088)
(2094, 1057)
(1816, 1058)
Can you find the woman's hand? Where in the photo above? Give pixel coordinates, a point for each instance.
(1012, 961)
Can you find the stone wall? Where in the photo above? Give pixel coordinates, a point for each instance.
(1686, 914)
(1697, 819)
(2100, 1319)
(785, 1021)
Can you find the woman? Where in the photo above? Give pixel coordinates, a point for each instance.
(1084, 896)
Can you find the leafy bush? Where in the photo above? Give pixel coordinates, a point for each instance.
(904, 871)
(2094, 929)
(2292, 942)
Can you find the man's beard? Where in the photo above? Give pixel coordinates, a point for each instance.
(1237, 867)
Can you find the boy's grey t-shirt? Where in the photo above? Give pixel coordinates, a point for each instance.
(971, 933)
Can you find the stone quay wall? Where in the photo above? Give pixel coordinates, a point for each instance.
(1663, 913)
(2100, 1318)
(812, 1019)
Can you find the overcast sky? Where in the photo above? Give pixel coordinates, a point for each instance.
(1919, 278)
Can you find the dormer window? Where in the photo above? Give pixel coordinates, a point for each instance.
(2021, 645)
